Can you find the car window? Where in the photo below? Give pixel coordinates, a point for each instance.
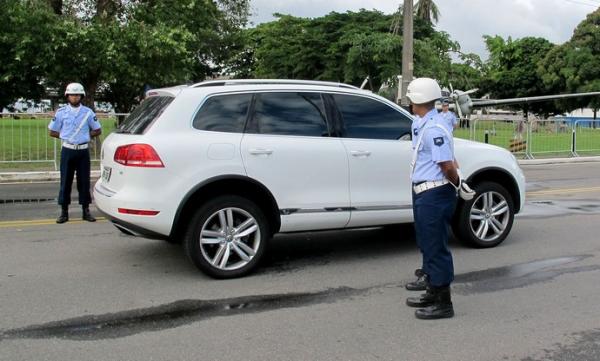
(142, 116)
(290, 114)
(371, 119)
(223, 113)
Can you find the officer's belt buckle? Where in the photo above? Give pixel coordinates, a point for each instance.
(76, 146)
(422, 187)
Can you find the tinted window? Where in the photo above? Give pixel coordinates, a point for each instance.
(372, 119)
(223, 113)
(290, 114)
(142, 116)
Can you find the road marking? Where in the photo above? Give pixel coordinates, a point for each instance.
(563, 190)
(41, 222)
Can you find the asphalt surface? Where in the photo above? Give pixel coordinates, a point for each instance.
(82, 291)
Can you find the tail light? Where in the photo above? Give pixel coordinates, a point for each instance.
(138, 155)
(138, 212)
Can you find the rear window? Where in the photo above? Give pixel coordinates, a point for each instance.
(142, 116)
(223, 113)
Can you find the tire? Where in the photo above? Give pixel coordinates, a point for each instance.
(471, 217)
(226, 251)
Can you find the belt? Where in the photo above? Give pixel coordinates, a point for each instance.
(75, 146)
(422, 187)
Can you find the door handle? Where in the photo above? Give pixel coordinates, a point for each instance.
(260, 151)
(360, 153)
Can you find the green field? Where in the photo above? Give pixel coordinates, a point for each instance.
(546, 138)
(23, 141)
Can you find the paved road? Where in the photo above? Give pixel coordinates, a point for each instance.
(82, 291)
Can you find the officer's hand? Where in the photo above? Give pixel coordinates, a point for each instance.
(465, 192)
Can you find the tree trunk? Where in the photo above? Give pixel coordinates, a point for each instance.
(56, 6)
(107, 9)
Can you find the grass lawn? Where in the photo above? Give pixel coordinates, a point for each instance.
(25, 140)
(547, 138)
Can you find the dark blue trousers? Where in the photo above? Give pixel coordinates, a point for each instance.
(72, 161)
(433, 210)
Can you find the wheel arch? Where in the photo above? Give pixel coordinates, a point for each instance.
(502, 177)
(226, 184)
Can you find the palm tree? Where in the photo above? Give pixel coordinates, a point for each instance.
(427, 10)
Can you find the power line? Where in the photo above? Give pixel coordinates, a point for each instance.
(589, 2)
(582, 3)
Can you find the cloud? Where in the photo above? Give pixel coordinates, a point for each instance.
(465, 20)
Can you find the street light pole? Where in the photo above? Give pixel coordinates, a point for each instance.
(407, 49)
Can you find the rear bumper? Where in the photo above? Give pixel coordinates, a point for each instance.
(155, 227)
(132, 229)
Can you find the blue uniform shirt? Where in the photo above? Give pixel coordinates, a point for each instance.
(434, 148)
(450, 119)
(67, 119)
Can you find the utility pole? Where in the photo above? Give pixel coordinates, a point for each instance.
(407, 50)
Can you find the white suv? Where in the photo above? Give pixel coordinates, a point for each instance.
(221, 166)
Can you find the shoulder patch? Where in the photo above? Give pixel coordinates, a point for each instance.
(439, 141)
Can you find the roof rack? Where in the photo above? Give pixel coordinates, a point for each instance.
(270, 81)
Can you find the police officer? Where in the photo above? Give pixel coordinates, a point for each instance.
(435, 180)
(75, 124)
(449, 117)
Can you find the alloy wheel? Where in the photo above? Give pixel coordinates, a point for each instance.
(489, 216)
(229, 239)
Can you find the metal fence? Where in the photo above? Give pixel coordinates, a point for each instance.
(586, 137)
(537, 137)
(24, 137)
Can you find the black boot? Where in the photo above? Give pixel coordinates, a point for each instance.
(441, 308)
(64, 215)
(87, 216)
(424, 300)
(420, 284)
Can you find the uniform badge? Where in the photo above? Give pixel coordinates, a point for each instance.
(415, 131)
(439, 141)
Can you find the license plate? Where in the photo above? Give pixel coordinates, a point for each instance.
(106, 172)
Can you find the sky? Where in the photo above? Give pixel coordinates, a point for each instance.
(465, 20)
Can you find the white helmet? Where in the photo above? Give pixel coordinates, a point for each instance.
(75, 89)
(423, 90)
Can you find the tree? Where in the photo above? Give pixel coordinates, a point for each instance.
(374, 55)
(25, 33)
(575, 66)
(511, 70)
(115, 47)
(343, 47)
(427, 10)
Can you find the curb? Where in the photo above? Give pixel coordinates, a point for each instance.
(559, 160)
(9, 177)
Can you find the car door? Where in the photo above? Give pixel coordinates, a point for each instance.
(288, 148)
(376, 137)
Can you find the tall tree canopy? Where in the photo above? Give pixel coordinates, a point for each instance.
(511, 70)
(575, 65)
(114, 47)
(427, 10)
(25, 49)
(344, 47)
